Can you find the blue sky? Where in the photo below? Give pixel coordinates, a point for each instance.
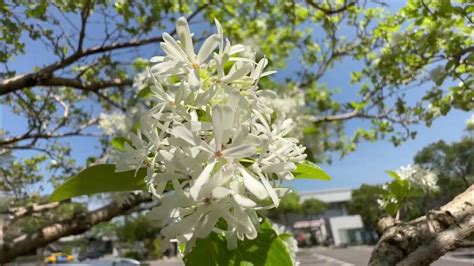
(366, 165)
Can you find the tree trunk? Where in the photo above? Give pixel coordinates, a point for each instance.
(78, 224)
(427, 238)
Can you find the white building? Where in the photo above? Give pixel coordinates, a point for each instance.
(335, 223)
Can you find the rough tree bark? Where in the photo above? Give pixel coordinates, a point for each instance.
(78, 224)
(427, 238)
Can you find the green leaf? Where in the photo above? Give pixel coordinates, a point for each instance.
(310, 130)
(98, 179)
(140, 64)
(309, 170)
(397, 188)
(208, 251)
(391, 208)
(144, 93)
(285, 236)
(119, 142)
(393, 174)
(266, 249)
(358, 105)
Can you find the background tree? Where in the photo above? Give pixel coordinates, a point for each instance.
(312, 207)
(449, 212)
(454, 164)
(364, 201)
(453, 168)
(92, 50)
(290, 204)
(139, 229)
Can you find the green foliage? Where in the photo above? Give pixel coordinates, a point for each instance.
(397, 50)
(364, 202)
(400, 193)
(267, 249)
(16, 175)
(453, 163)
(138, 228)
(132, 254)
(309, 170)
(290, 203)
(453, 166)
(31, 224)
(99, 179)
(312, 207)
(145, 92)
(118, 143)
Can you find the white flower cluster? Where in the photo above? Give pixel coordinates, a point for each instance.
(212, 148)
(438, 74)
(120, 123)
(114, 123)
(418, 176)
(470, 123)
(291, 105)
(290, 242)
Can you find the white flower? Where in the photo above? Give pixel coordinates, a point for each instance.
(438, 74)
(213, 150)
(470, 122)
(419, 176)
(112, 124)
(435, 111)
(289, 240)
(291, 106)
(180, 57)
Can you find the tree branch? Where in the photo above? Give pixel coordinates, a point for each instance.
(50, 135)
(46, 73)
(84, 85)
(447, 240)
(330, 118)
(20, 212)
(427, 238)
(84, 16)
(329, 11)
(78, 224)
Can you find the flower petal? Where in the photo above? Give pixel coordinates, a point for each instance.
(239, 73)
(253, 185)
(256, 73)
(156, 59)
(194, 80)
(208, 223)
(222, 119)
(170, 44)
(270, 190)
(244, 201)
(220, 34)
(183, 133)
(279, 167)
(186, 225)
(236, 49)
(182, 28)
(201, 180)
(239, 151)
(221, 192)
(207, 48)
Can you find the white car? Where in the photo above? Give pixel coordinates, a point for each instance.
(108, 262)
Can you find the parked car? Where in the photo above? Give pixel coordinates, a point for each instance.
(94, 254)
(58, 257)
(114, 262)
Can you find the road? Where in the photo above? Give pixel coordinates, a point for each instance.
(321, 256)
(359, 255)
(351, 256)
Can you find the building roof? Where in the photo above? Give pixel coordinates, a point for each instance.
(329, 195)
